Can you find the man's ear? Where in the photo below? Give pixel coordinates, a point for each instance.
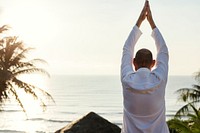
(135, 64)
(153, 63)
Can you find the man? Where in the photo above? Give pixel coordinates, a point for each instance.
(144, 88)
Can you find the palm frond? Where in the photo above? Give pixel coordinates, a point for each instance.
(21, 55)
(33, 90)
(179, 126)
(9, 40)
(183, 94)
(192, 116)
(197, 114)
(4, 28)
(12, 50)
(21, 66)
(17, 99)
(9, 49)
(184, 90)
(197, 87)
(36, 61)
(32, 70)
(45, 93)
(195, 96)
(184, 110)
(27, 88)
(188, 94)
(3, 91)
(18, 65)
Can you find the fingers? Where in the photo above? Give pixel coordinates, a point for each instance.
(145, 8)
(145, 13)
(147, 2)
(149, 17)
(145, 5)
(148, 10)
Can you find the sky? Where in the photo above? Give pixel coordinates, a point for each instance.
(86, 37)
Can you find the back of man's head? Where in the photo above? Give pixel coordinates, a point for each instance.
(143, 58)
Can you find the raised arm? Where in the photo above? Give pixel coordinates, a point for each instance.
(143, 14)
(128, 49)
(162, 50)
(149, 16)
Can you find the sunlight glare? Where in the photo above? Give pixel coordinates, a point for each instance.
(31, 22)
(32, 105)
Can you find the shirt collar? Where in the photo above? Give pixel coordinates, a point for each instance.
(143, 69)
(144, 72)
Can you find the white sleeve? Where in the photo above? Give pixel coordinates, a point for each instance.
(128, 50)
(162, 55)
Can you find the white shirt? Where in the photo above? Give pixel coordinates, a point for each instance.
(144, 90)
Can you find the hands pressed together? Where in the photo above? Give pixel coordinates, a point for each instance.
(146, 13)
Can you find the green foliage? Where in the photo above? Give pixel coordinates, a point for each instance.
(178, 126)
(191, 96)
(191, 123)
(13, 63)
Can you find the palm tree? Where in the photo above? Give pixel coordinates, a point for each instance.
(191, 125)
(178, 126)
(191, 96)
(13, 63)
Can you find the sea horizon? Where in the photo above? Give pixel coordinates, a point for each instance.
(77, 95)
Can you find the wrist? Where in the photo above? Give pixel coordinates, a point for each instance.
(138, 23)
(153, 26)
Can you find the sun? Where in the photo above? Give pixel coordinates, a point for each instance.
(31, 21)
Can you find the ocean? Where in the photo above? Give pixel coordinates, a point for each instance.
(75, 96)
